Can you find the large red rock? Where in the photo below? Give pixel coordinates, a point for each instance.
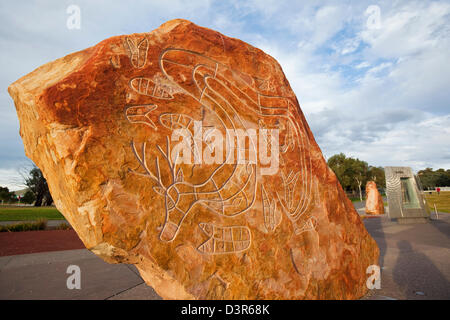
(99, 124)
(374, 201)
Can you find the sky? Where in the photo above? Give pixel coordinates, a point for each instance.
(372, 77)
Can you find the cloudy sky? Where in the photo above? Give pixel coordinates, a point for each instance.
(372, 77)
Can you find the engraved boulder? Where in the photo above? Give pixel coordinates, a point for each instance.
(185, 152)
(374, 201)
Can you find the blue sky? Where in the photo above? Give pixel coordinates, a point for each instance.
(376, 87)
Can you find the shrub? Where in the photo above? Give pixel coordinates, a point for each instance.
(41, 224)
(63, 226)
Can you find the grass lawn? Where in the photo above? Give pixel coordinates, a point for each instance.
(9, 213)
(442, 201)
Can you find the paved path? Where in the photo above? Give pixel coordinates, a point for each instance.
(415, 258)
(43, 276)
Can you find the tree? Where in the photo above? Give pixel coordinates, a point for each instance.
(351, 173)
(431, 179)
(6, 195)
(38, 185)
(354, 173)
(443, 179)
(338, 163)
(28, 197)
(359, 169)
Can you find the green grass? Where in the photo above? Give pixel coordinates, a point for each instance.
(442, 201)
(9, 213)
(41, 224)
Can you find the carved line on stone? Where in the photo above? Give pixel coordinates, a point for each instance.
(224, 240)
(140, 114)
(142, 161)
(173, 121)
(215, 275)
(272, 217)
(138, 54)
(290, 183)
(234, 115)
(305, 197)
(262, 84)
(148, 87)
(290, 142)
(213, 74)
(171, 229)
(309, 225)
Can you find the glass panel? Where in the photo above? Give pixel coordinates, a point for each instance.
(409, 195)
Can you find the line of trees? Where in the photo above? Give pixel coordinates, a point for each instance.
(353, 174)
(7, 196)
(431, 179)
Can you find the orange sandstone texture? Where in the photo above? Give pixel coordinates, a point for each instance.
(99, 124)
(374, 201)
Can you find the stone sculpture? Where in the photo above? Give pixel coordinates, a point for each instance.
(113, 128)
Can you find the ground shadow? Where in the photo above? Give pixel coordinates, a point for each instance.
(442, 226)
(415, 273)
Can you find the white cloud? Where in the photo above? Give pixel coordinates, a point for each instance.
(396, 110)
(362, 65)
(409, 29)
(427, 145)
(380, 67)
(307, 83)
(328, 21)
(11, 179)
(349, 46)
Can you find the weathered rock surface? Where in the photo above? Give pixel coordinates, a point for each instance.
(99, 124)
(374, 201)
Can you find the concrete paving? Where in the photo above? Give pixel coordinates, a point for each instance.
(44, 276)
(415, 262)
(414, 258)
